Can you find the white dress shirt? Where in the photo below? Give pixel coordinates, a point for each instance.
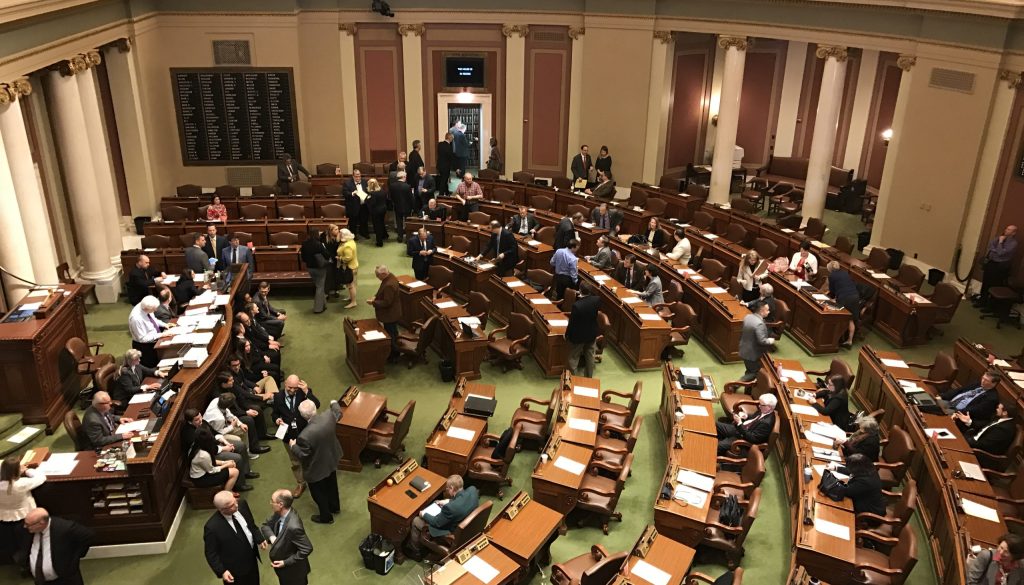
(42, 538)
(681, 251)
(810, 265)
(220, 420)
(242, 524)
(144, 327)
(977, 437)
(16, 500)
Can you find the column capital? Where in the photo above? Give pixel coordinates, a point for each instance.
(14, 89)
(1012, 78)
(413, 29)
(665, 36)
(575, 32)
(349, 28)
(831, 51)
(738, 43)
(906, 62)
(515, 29)
(123, 45)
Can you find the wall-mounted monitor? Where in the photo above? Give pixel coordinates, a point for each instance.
(462, 71)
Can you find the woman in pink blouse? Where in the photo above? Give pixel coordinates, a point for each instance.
(216, 210)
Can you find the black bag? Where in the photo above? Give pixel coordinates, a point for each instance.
(345, 275)
(378, 554)
(501, 447)
(730, 514)
(831, 487)
(725, 579)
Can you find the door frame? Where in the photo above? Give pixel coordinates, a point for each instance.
(486, 117)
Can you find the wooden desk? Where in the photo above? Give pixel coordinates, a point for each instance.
(557, 488)
(448, 455)
(508, 569)
(675, 518)
(693, 422)
(586, 425)
(816, 325)
(411, 297)
(465, 353)
(664, 554)
(466, 277)
(277, 258)
(672, 393)
(527, 536)
(354, 426)
(366, 358)
(392, 510)
(583, 392)
(464, 389)
(550, 347)
(823, 555)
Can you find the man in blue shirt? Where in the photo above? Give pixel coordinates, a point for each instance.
(564, 262)
(975, 402)
(997, 262)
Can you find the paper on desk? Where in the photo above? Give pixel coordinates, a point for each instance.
(691, 496)
(828, 430)
(585, 391)
(695, 480)
(696, 277)
(820, 470)
(23, 435)
(650, 317)
(132, 427)
(602, 277)
(196, 311)
(819, 297)
(819, 244)
(59, 464)
(416, 284)
(800, 284)
(1001, 363)
(533, 243)
(941, 433)
(688, 371)
(832, 529)
(803, 409)
(711, 236)
(432, 510)
(879, 275)
(142, 398)
(221, 300)
(972, 470)
(715, 290)
(170, 279)
(650, 573)
(566, 464)
(461, 433)
(515, 283)
(480, 569)
(282, 430)
(30, 306)
(558, 322)
(582, 424)
(167, 363)
(540, 301)
(281, 246)
(447, 305)
(796, 375)
(707, 394)
(694, 410)
(586, 224)
(977, 510)
(471, 321)
(786, 230)
(894, 363)
(1017, 376)
(373, 335)
(631, 300)
(816, 438)
(485, 266)
(826, 454)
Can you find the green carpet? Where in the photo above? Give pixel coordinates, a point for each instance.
(315, 351)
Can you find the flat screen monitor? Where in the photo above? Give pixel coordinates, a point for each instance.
(464, 71)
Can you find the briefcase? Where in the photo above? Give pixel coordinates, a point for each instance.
(480, 406)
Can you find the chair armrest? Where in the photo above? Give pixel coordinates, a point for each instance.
(743, 487)
(887, 465)
(485, 459)
(821, 373)
(731, 387)
(868, 516)
(607, 394)
(992, 473)
(489, 436)
(598, 450)
(594, 491)
(661, 306)
(388, 413)
(922, 366)
(379, 433)
(608, 428)
(517, 343)
(736, 407)
(740, 446)
(599, 551)
(684, 330)
(889, 540)
(602, 464)
(495, 332)
(525, 403)
(730, 460)
(877, 569)
(733, 530)
(96, 345)
(695, 578)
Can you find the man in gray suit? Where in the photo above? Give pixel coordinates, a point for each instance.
(318, 449)
(755, 341)
(99, 424)
(653, 292)
(195, 256)
(286, 538)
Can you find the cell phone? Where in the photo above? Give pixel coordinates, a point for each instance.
(411, 494)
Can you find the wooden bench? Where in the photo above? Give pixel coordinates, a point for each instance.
(291, 279)
(200, 498)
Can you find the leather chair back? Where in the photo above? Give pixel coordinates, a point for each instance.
(546, 235)
(783, 314)
(460, 244)
(670, 183)
(568, 300)
(781, 188)
(540, 276)
(439, 276)
(735, 233)
(189, 190)
(765, 248)
(735, 288)
(844, 245)
(541, 202)
(523, 177)
(284, 239)
(634, 433)
(674, 291)
(300, 187)
(683, 315)
(156, 241)
(403, 422)
(900, 449)
(905, 507)
(903, 556)
(254, 211)
(753, 470)
(910, 275)
(878, 259)
(503, 195)
(839, 367)
(713, 270)
(488, 174)
(326, 169)
(520, 326)
(367, 169)
(106, 377)
(292, 210)
(426, 335)
(702, 220)
(175, 213)
(743, 205)
(943, 370)
(602, 572)
(790, 222)
(334, 190)
(244, 237)
(479, 218)
(264, 190)
(186, 239)
(472, 525)
(749, 515)
(656, 206)
(73, 427)
(575, 208)
(201, 212)
(561, 182)
(332, 211)
(815, 229)
(78, 349)
(479, 305)
(225, 191)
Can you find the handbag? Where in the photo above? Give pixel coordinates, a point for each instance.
(831, 487)
(730, 514)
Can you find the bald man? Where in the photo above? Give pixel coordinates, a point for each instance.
(289, 546)
(140, 278)
(99, 423)
(58, 546)
(232, 541)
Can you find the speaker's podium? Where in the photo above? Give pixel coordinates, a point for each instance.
(37, 377)
(367, 346)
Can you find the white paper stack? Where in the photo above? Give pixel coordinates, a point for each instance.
(695, 480)
(447, 305)
(972, 508)
(194, 357)
(816, 438)
(692, 496)
(558, 322)
(566, 464)
(480, 569)
(461, 433)
(650, 573)
(894, 363)
(221, 300)
(820, 470)
(485, 266)
(373, 335)
(169, 279)
(715, 290)
(650, 317)
(416, 284)
(832, 529)
(796, 375)
(602, 277)
(631, 300)
(803, 409)
(972, 470)
(585, 391)
(582, 424)
(515, 283)
(695, 410)
(828, 430)
(471, 321)
(196, 311)
(142, 398)
(132, 427)
(826, 454)
(59, 464)
(205, 298)
(540, 301)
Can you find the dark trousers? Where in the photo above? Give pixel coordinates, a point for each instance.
(13, 538)
(994, 274)
(364, 221)
(420, 269)
(750, 295)
(460, 165)
(149, 357)
(727, 435)
(444, 175)
(400, 224)
(380, 229)
(283, 187)
(392, 329)
(325, 495)
(274, 327)
(562, 282)
(752, 367)
(257, 428)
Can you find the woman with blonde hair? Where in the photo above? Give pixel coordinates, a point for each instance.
(16, 485)
(752, 271)
(332, 240)
(348, 265)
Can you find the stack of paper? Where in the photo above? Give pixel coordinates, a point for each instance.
(1001, 363)
(582, 424)
(972, 508)
(471, 321)
(221, 300)
(715, 290)
(819, 297)
(131, 427)
(447, 304)
(168, 363)
(820, 470)
(23, 435)
(796, 375)
(695, 480)
(585, 391)
(695, 410)
(194, 357)
(803, 409)
(972, 470)
(59, 464)
(832, 529)
(461, 433)
(540, 301)
(650, 317)
(692, 372)
(373, 335)
(169, 279)
(566, 464)
(631, 300)
(602, 277)
(197, 311)
(515, 283)
(691, 496)
(533, 243)
(826, 454)
(480, 569)
(558, 322)
(207, 297)
(650, 573)
(416, 284)
(142, 398)
(828, 430)
(894, 363)
(485, 266)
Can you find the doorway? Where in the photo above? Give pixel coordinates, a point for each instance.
(468, 114)
(473, 110)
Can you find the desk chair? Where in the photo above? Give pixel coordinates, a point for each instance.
(897, 514)
(388, 436)
(460, 244)
(898, 452)
(541, 280)
(656, 206)
(561, 183)
(523, 177)
(910, 276)
(618, 415)
(612, 451)
(714, 270)
(254, 211)
(546, 235)
(790, 222)
(300, 187)
(878, 260)
(332, 211)
(541, 202)
(483, 467)
(226, 191)
(332, 190)
(510, 348)
(1000, 463)
(702, 220)
(503, 195)
(158, 241)
(105, 380)
(735, 233)
(292, 210)
(941, 373)
(744, 206)
(777, 194)
(783, 318)
(73, 427)
(1009, 495)
(365, 168)
(568, 300)
(755, 192)
(742, 483)
(600, 495)
(328, 169)
(730, 539)
(672, 294)
(488, 174)
(947, 298)
(175, 213)
(1003, 298)
(603, 325)
(284, 239)
(414, 345)
(698, 578)
(765, 248)
(597, 567)
(574, 208)
(87, 364)
(469, 528)
(815, 229)
(735, 288)
(844, 245)
(740, 448)
(479, 218)
(479, 306)
(439, 277)
(875, 567)
(682, 318)
(736, 392)
(837, 367)
(264, 190)
(189, 190)
(533, 425)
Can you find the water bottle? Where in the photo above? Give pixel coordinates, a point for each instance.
(807, 473)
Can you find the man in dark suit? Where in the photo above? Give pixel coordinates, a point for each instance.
(195, 255)
(354, 193)
(285, 409)
(393, 167)
(232, 541)
(524, 223)
(130, 377)
(974, 402)
(415, 164)
(605, 188)
(996, 436)
(214, 243)
(236, 253)
(318, 449)
(421, 248)
(271, 318)
(606, 219)
(289, 546)
(140, 278)
(445, 161)
(582, 331)
(460, 146)
(504, 248)
(566, 230)
(581, 164)
(229, 447)
(387, 306)
(402, 200)
(754, 428)
(58, 546)
(99, 424)
(434, 211)
(628, 274)
(460, 503)
(755, 341)
(423, 186)
(288, 171)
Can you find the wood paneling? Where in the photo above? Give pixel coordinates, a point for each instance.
(883, 107)
(381, 92)
(1006, 205)
(546, 128)
(759, 99)
(690, 100)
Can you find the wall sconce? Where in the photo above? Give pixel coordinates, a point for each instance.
(887, 135)
(714, 120)
(464, 97)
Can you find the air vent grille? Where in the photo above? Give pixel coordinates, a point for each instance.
(231, 53)
(244, 176)
(951, 79)
(548, 36)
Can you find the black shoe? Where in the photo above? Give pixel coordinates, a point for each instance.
(252, 475)
(244, 488)
(338, 511)
(412, 553)
(260, 450)
(320, 520)
(268, 438)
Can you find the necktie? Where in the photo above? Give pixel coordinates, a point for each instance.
(153, 321)
(234, 255)
(280, 527)
(291, 173)
(238, 528)
(291, 402)
(604, 222)
(38, 573)
(962, 401)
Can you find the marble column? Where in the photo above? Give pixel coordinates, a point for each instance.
(14, 251)
(72, 135)
(100, 151)
(728, 117)
(412, 61)
(132, 129)
(662, 48)
(789, 103)
(349, 99)
(515, 81)
(906, 63)
(575, 134)
(826, 122)
(27, 189)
